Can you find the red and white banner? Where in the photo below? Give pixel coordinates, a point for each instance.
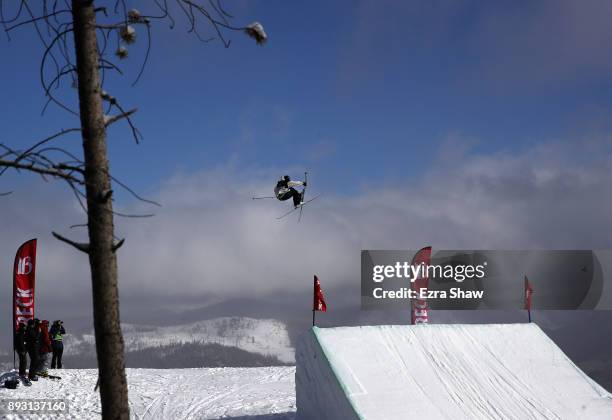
(319, 300)
(24, 278)
(420, 285)
(528, 293)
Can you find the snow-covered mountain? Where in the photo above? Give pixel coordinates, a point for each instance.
(267, 337)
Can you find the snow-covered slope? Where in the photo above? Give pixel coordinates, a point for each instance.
(264, 393)
(441, 372)
(264, 336)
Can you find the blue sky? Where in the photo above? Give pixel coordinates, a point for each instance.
(360, 93)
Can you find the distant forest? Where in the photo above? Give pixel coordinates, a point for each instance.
(181, 355)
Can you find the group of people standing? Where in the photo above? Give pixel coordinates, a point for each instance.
(36, 340)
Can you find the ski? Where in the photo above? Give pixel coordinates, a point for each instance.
(46, 375)
(302, 202)
(298, 208)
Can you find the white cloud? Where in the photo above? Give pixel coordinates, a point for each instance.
(210, 239)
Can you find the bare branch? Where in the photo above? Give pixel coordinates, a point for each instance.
(63, 166)
(115, 118)
(46, 140)
(48, 52)
(118, 245)
(45, 17)
(4, 22)
(106, 196)
(40, 170)
(128, 189)
(135, 133)
(146, 58)
(79, 196)
(84, 247)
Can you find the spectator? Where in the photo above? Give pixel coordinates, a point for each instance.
(33, 346)
(20, 348)
(45, 347)
(56, 333)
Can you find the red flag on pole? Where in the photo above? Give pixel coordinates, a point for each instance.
(319, 299)
(419, 306)
(24, 276)
(528, 293)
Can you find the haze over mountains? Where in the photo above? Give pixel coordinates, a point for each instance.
(235, 341)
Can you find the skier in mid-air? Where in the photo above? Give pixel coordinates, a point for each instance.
(284, 190)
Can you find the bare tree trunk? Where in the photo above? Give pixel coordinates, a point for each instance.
(102, 258)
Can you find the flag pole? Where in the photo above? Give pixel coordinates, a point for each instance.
(314, 298)
(13, 306)
(13, 326)
(528, 292)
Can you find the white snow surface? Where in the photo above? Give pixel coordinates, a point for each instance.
(268, 337)
(266, 393)
(509, 371)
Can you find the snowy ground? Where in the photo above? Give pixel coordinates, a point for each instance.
(236, 393)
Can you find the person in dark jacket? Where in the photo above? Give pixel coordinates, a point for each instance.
(20, 348)
(33, 346)
(56, 332)
(284, 190)
(45, 347)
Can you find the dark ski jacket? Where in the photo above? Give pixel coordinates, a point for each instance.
(32, 338)
(20, 346)
(57, 331)
(284, 186)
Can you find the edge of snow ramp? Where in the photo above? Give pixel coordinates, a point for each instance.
(440, 371)
(320, 391)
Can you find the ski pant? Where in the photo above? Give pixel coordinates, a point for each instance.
(23, 362)
(292, 193)
(58, 350)
(42, 362)
(33, 353)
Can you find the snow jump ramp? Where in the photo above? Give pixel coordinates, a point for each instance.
(510, 371)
